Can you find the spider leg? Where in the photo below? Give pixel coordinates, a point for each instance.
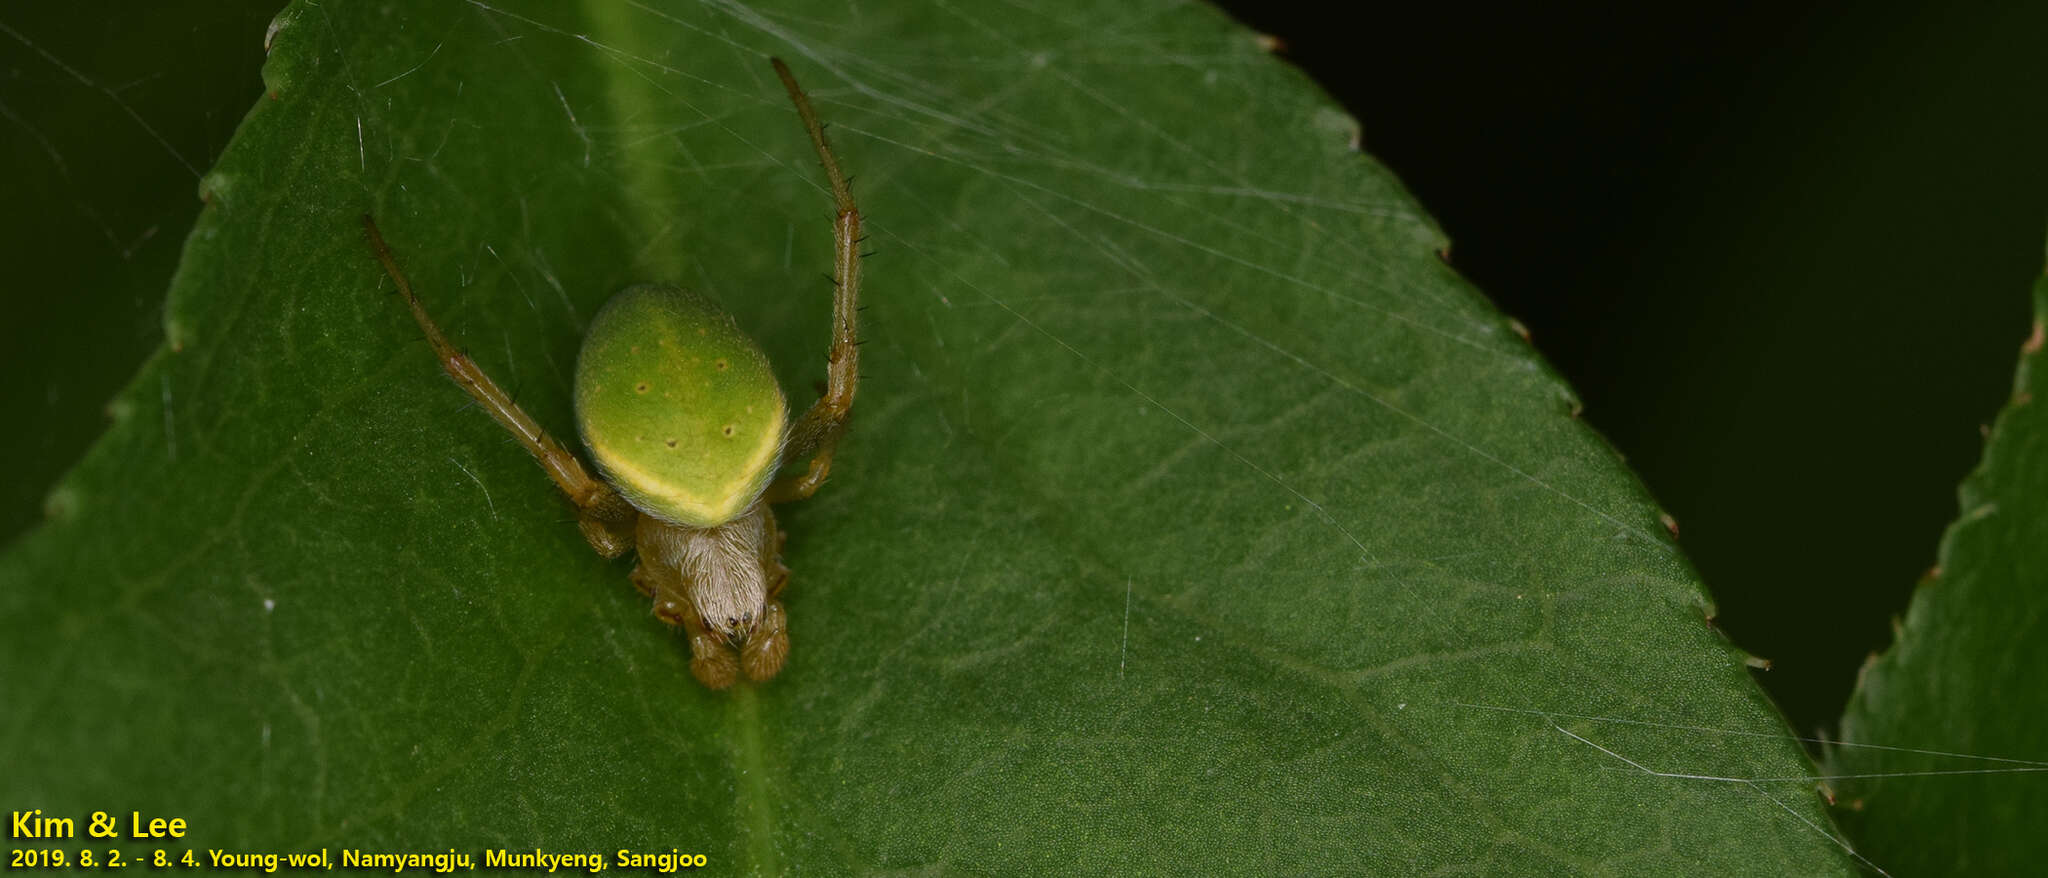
(816, 435)
(711, 659)
(605, 518)
(775, 573)
(768, 646)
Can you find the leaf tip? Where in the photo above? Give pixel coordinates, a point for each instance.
(175, 335)
(1333, 120)
(215, 187)
(1870, 661)
(62, 503)
(278, 23)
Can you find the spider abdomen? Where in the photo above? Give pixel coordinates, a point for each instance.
(678, 407)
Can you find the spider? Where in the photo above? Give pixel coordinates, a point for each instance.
(689, 430)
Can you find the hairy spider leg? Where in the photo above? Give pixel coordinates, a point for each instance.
(767, 646)
(817, 433)
(711, 660)
(605, 518)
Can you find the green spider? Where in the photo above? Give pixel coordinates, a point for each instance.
(688, 427)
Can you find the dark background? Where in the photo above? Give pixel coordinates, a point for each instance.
(1782, 251)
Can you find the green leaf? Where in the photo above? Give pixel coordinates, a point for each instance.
(1947, 732)
(1195, 516)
